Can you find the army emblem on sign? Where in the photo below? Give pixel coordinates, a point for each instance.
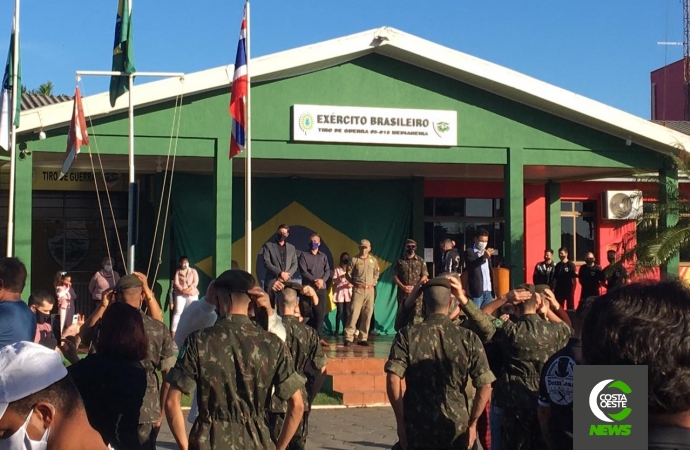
(441, 128)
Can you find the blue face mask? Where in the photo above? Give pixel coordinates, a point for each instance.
(314, 245)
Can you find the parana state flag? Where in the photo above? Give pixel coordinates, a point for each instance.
(6, 112)
(123, 50)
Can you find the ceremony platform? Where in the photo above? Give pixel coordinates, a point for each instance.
(356, 373)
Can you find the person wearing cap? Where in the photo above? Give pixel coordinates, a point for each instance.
(303, 343)
(363, 274)
(134, 290)
(526, 346)
(409, 270)
(437, 360)
(40, 406)
(17, 321)
(245, 363)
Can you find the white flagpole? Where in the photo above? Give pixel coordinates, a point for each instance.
(13, 138)
(131, 216)
(248, 160)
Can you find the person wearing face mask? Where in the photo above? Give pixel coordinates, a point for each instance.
(17, 321)
(40, 406)
(316, 272)
(565, 275)
(544, 271)
(409, 270)
(591, 277)
(41, 304)
(480, 269)
(616, 275)
(104, 279)
(280, 258)
(342, 292)
(186, 291)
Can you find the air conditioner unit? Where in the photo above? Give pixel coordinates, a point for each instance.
(621, 205)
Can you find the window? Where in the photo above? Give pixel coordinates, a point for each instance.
(578, 228)
(463, 207)
(479, 207)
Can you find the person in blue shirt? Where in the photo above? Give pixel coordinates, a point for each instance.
(17, 322)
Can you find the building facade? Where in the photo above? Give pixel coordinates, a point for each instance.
(379, 135)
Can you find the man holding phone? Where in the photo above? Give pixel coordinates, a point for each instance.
(479, 269)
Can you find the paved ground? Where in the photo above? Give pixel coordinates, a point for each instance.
(335, 429)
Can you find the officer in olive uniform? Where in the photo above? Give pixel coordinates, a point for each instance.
(303, 343)
(243, 363)
(526, 345)
(410, 270)
(438, 361)
(363, 274)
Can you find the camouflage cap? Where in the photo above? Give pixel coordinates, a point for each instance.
(438, 281)
(235, 280)
(128, 282)
(365, 243)
(410, 242)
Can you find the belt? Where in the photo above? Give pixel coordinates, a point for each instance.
(362, 286)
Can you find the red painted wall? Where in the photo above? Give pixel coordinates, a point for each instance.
(609, 233)
(668, 101)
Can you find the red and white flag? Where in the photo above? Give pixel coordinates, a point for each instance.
(77, 135)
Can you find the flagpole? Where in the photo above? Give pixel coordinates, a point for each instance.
(13, 137)
(248, 158)
(131, 207)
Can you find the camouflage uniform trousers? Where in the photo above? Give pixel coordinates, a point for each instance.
(299, 440)
(148, 434)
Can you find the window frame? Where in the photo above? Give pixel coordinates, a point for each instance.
(574, 214)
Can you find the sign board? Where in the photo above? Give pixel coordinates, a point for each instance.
(46, 179)
(429, 255)
(416, 127)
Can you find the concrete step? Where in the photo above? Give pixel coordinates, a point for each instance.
(355, 365)
(365, 397)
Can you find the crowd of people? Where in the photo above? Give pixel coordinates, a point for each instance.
(466, 366)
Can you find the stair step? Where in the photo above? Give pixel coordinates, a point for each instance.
(348, 366)
(365, 397)
(359, 381)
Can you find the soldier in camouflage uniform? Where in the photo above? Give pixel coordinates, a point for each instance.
(526, 345)
(438, 360)
(462, 312)
(134, 290)
(234, 366)
(303, 343)
(410, 270)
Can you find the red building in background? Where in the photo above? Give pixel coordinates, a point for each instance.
(668, 99)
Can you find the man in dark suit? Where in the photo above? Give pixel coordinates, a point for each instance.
(280, 258)
(479, 269)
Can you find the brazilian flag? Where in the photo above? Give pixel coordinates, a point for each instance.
(123, 50)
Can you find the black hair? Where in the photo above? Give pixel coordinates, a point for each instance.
(182, 258)
(13, 274)
(583, 309)
(481, 232)
(63, 395)
(549, 250)
(436, 297)
(37, 298)
(282, 225)
(343, 254)
(564, 250)
(645, 324)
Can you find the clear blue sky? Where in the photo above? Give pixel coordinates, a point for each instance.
(602, 49)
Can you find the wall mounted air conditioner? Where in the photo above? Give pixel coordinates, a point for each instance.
(621, 205)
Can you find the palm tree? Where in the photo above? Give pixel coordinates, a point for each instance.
(45, 88)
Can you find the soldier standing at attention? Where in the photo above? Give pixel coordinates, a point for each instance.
(234, 366)
(410, 270)
(363, 274)
(304, 346)
(438, 360)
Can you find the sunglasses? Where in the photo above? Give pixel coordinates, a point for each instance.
(413, 247)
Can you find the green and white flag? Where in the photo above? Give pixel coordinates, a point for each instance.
(6, 113)
(123, 50)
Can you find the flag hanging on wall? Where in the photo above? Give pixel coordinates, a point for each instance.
(238, 98)
(77, 135)
(123, 50)
(6, 112)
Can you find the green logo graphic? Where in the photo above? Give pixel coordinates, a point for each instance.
(306, 122)
(599, 403)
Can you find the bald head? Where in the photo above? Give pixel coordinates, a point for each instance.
(287, 300)
(132, 296)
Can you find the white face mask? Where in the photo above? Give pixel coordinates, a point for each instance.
(108, 268)
(481, 246)
(185, 266)
(20, 439)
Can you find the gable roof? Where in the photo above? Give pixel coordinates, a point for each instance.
(394, 44)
